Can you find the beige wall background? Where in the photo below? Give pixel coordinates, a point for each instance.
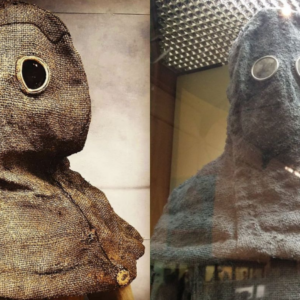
(200, 122)
(112, 38)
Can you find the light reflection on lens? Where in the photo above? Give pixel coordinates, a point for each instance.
(298, 66)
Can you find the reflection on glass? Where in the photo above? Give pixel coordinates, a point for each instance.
(218, 273)
(231, 280)
(296, 173)
(226, 273)
(242, 273)
(209, 273)
(245, 292)
(260, 291)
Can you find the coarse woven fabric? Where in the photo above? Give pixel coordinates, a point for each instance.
(59, 234)
(245, 205)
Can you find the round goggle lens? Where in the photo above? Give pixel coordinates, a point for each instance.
(265, 67)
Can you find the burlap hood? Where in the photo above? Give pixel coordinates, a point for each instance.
(54, 122)
(245, 205)
(59, 235)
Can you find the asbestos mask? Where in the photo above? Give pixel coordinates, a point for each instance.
(243, 208)
(59, 234)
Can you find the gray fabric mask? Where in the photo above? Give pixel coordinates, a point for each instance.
(245, 204)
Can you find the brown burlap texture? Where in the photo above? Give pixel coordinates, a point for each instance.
(59, 235)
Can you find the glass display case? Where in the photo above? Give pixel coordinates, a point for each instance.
(232, 229)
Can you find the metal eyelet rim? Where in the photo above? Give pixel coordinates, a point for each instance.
(123, 277)
(19, 68)
(275, 70)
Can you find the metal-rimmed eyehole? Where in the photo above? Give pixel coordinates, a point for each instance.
(265, 67)
(33, 74)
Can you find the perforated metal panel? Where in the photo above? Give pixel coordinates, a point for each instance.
(199, 33)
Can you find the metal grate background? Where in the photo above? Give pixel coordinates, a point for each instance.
(198, 33)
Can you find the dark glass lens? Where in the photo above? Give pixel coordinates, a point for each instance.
(34, 74)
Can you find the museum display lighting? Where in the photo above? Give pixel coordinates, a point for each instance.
(199, 33)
